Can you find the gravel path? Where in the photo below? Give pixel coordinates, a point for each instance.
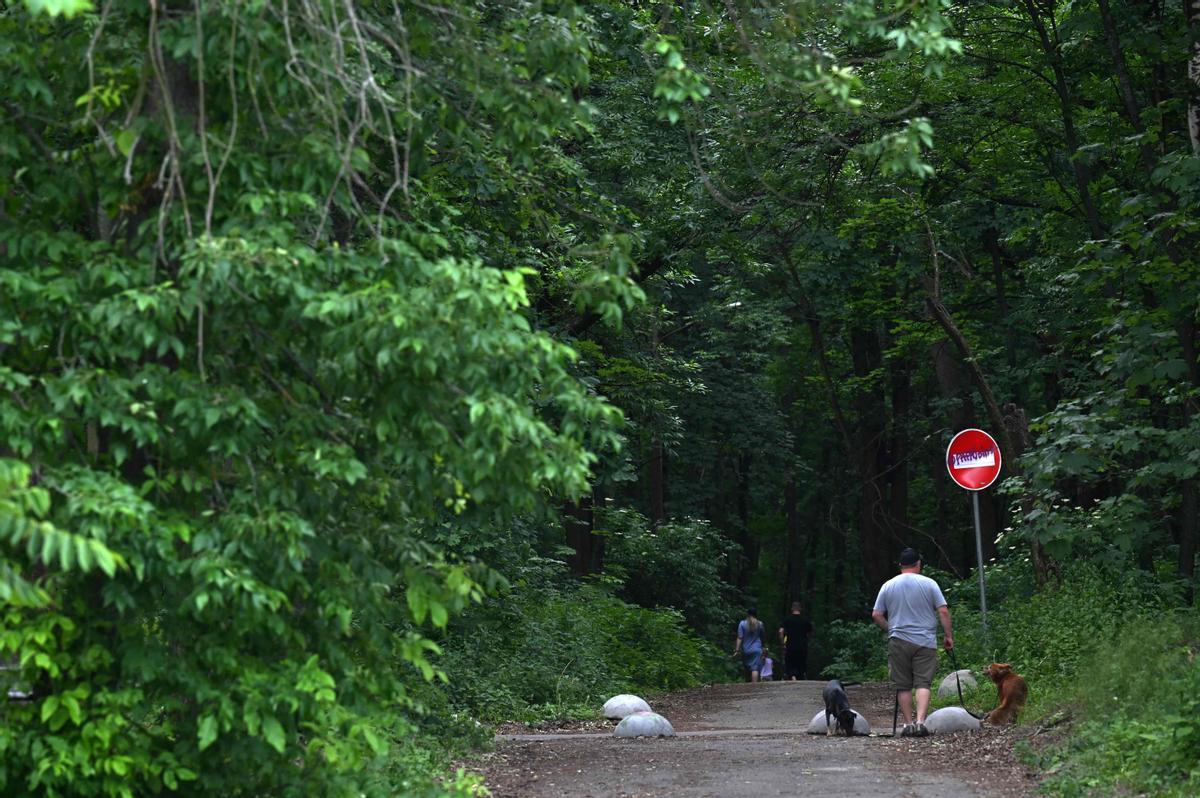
(747, 741)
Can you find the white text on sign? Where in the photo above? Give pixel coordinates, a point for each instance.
(983, 458)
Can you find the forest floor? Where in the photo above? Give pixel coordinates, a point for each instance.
(748, 741)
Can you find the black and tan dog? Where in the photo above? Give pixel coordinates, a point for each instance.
(837, 706)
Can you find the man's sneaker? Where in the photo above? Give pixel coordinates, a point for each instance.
(919, 730)
(907, 729)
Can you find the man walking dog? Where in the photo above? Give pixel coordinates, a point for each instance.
(908, 608)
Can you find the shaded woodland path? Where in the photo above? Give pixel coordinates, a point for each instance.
(745, 740)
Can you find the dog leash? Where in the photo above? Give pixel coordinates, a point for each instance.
(957, 683)
(957, 680)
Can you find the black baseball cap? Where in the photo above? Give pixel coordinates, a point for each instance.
(910, 556)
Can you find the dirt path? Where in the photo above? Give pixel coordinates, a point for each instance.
(748, 741)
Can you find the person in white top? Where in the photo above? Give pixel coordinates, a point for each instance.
(908, 608)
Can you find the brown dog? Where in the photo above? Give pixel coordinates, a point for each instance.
(1011, 691)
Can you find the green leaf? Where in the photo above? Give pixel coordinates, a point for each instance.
(83, 549)
(418, 603)
(206, 731)
(53, 8)
(49, 707)
(66, 555)
(273, 733)
(104, 558)
(377, 745)
(125, 139)
(73, 709)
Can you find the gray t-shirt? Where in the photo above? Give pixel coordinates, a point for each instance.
(910, 602)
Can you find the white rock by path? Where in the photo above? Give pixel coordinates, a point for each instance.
(948, 688)
(620, 706)
(644, 724)
(818, 724)
(950, 719)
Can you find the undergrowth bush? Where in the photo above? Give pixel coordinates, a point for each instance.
(675, 564)
(561, 651)
(1049, 635)
(858, 651)
(1140, 713)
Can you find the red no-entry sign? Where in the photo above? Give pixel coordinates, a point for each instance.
(973, 459)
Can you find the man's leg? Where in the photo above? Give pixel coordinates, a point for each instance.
(924, 668)
(900, 672)
(905, 699)
(922, 703)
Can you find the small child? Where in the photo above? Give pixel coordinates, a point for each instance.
(768, 667)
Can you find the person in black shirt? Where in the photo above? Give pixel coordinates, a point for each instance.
(794, 634)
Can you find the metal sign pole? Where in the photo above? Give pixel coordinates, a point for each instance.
(979, 558)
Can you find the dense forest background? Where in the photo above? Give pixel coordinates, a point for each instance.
(371, 369)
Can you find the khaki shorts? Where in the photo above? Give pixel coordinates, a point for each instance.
(910, 665)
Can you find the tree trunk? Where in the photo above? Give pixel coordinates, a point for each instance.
(1000, 262)
(748, 546)
(874, 534)
(599, 497)
(1052, 48)
(1186, 333)
(578, 519)
(898, 455)
(1193, 74)
(795, 542)
(1017, 424)
(1011, 432)
(1187, 539)
(657, 482)
(1125, 85)
(995, 417)
(818, 348)
(954, 388)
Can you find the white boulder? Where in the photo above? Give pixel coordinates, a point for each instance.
(644, 724)
(620, 706)
(951, 719)
(949, 688)
(818, 724)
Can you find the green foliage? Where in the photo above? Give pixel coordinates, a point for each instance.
(858, 651)
(562, 653)
(1049, 637)
(297, 331)
(675, 564)
(1140, 725)
(259, 344)
(53, 8)
(1053, 637)
(677, 84)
